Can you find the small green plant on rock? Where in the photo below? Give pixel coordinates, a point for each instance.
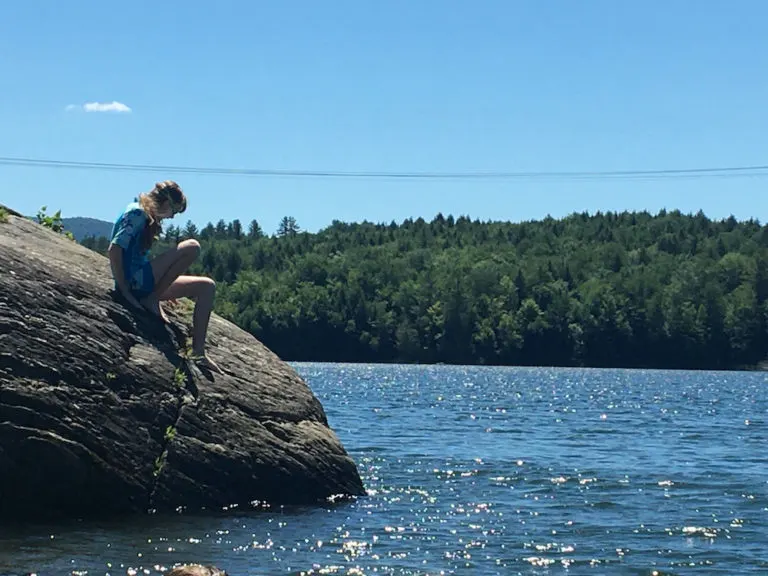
(170, 433)
(186, 349)
(159, 465)
(53, 222)
(179, 378)
(3, 215)
(185, 307)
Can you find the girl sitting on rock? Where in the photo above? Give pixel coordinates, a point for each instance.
(144, 282)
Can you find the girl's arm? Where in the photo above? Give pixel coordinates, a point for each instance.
(115, 253)
(128, 227)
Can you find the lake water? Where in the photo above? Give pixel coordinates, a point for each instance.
(486, 471)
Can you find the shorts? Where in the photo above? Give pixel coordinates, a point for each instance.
(141, 281)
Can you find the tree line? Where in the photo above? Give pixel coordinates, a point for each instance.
(630, 289)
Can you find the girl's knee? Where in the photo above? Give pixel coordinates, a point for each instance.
(208, 285)
(190, 247)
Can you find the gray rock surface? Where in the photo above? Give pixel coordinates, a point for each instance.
(100, 413)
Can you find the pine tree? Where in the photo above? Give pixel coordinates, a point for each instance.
(288, 227)
(190, 231)
(254, 230)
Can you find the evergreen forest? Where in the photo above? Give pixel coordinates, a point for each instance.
(631, 289)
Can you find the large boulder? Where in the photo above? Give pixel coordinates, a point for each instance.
(100, 412)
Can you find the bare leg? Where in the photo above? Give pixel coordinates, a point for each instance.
(203, 291)
(166, 268)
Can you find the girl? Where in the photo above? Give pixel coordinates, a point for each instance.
(144, 282)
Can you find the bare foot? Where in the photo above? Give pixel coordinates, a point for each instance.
(204, 361)
(152, 304)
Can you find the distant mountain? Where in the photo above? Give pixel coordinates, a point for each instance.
(82, 227)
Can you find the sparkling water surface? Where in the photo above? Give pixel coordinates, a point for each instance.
(484, 471)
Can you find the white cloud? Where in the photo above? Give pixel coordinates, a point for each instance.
(105, 107)
(113, 106)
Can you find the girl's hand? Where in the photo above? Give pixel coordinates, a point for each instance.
(132, 300)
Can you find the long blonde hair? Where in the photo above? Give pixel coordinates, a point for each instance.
(150, 202)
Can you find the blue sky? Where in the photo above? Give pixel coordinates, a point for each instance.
(428, 85)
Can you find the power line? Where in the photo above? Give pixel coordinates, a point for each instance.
(759, 171)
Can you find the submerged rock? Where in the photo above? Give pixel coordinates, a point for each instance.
(101, 413)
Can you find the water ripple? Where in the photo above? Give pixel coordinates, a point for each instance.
(485, 471)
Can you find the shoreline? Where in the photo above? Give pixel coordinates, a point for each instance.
(758, 368)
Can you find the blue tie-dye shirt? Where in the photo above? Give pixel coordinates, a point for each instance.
(127, 233)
